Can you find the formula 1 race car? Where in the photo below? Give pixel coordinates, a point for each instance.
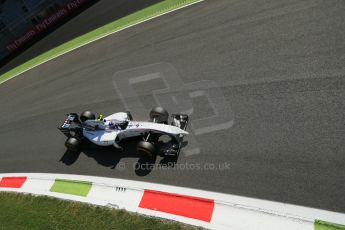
(111, 130)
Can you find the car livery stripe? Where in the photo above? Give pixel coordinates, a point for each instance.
(188, 206)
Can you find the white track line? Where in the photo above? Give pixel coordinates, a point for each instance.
(102, 36)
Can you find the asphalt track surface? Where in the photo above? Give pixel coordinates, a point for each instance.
(275, 72)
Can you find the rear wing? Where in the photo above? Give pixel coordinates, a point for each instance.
(67, 128)
(71, 117)
(180, 120)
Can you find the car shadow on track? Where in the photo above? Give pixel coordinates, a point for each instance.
(111, 157)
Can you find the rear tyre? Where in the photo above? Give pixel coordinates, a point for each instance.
(146, 149)
(159, 115)
(72, 144)
(87, 115)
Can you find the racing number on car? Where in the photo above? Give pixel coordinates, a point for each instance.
(159, 84)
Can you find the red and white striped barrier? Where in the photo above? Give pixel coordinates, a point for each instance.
(196, 207)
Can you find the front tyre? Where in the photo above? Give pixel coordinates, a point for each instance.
(159, 115)
(146, 149)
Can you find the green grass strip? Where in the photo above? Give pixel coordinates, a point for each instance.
(19, 211)
(139, 16)
(323, 225)
(79, 188)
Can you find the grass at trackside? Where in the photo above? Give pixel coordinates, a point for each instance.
(322, 225)
(119, 24)
(19, 211)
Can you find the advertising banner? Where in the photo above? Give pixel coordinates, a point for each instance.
(45, 23)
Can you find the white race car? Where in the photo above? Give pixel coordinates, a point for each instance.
(111, 130)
